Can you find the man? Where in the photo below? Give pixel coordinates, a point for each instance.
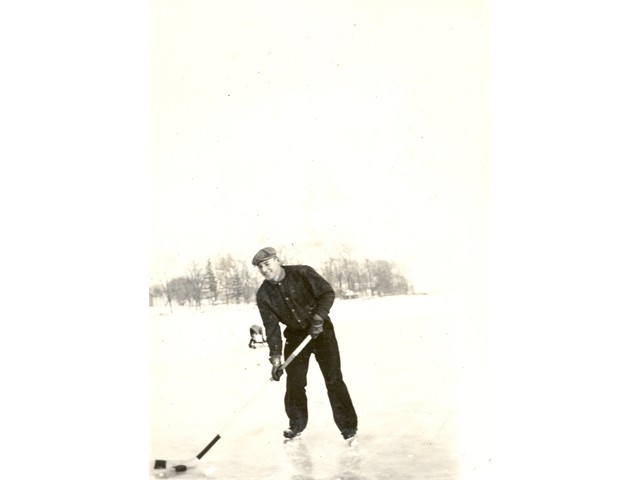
(299, 298)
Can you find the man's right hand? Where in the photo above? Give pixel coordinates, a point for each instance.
(276, 367)
(276, 372)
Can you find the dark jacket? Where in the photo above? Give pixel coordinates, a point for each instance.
(293, 302)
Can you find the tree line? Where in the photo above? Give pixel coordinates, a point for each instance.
(227, 280)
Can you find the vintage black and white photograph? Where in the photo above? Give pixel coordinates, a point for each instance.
(374, 240)
(319, 239)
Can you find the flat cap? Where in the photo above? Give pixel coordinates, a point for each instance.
(263, 254)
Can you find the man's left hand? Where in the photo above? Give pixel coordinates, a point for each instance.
(315, 330)
(316, 326)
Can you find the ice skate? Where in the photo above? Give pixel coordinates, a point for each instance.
(350, 437)
(291, 434)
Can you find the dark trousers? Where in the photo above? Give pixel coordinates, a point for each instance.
(325, 349)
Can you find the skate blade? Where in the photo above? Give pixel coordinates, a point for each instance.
(292, 439)
(352, 442)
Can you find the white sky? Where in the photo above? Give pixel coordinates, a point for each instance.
(358, 123)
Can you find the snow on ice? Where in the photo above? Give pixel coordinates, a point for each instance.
(400, 358)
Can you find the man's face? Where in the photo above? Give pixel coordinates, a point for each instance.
(270, 268)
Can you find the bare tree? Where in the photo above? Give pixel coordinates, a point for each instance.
(368, 277)
(229, 274)
(337, 276)
(155, 292)
(195, 282)
(168, 293)
(250, 283)
(352, 276)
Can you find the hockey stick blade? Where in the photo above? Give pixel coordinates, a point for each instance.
(181, 466)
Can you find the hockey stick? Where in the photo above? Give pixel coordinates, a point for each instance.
(181, 466)
(295, 353)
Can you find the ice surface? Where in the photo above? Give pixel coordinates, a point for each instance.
(400, 363)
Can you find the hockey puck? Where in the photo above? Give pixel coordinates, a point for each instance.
(180, 468)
